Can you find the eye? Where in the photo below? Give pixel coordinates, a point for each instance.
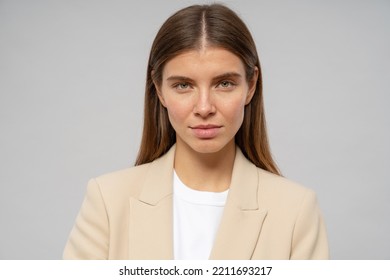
(226, 84)
(182, 86)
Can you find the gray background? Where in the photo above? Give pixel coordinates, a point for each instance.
(71, 98)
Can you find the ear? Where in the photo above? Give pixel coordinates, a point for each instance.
(158, 90)
(252, 85)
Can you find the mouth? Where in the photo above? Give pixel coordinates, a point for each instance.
(206, 126)
(207, 131)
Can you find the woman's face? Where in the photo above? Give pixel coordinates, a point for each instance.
(205, 93)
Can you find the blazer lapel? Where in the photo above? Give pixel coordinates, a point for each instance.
(242, 218)
(151, 215)
(151, 222)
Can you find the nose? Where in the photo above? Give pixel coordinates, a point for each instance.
(204, 105)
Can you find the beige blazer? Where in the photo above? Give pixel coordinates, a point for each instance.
(128, 215)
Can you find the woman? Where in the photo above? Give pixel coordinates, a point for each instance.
(205, 185)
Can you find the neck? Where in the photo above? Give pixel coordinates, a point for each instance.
(205, 171)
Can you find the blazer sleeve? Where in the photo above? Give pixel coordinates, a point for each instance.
(309, 236)
(89, 238)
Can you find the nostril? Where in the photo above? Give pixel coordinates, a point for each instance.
(204, 109)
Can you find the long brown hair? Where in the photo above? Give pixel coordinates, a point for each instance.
(187, 30)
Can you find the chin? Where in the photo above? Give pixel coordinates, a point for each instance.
(208, 147)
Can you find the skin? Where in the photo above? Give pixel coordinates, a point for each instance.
(205, 92)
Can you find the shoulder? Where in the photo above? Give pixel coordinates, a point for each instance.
(278, 184)
(121, 183)
(277, 192)
(294, 225)
(139, 180)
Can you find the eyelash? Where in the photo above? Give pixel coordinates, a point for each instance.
(230, 84)
(179, 86)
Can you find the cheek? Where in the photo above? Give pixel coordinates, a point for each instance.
(238, 118)
(177, 112)
(234, 111)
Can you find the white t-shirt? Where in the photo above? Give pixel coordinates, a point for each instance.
(196, 217)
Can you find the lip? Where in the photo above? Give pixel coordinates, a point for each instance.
(205, 126)
(206, 131)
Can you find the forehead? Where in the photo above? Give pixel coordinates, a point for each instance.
(204, 62)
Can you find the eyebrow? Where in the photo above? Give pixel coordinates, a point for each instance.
(226, 75)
